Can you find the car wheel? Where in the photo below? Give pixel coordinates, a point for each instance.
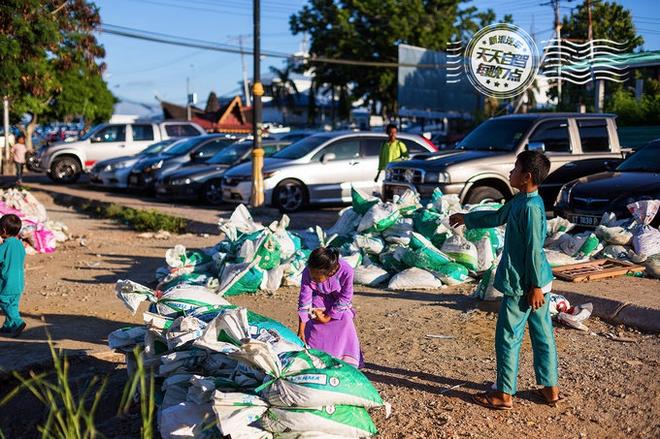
(212, 192)
(290, 196)
(483, 194)
(65, 170)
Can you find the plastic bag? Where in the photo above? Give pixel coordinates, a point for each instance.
(378, 218)
(557, 304)
(576, 316)
(414, 279)
(362, 202)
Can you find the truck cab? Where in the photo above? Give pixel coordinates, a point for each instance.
(477, 169)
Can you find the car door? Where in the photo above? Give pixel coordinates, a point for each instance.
(142, 137)
(329, 181)
(369, 152)
(109, 142)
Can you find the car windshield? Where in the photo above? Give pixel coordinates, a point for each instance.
(646, 159)
(186, 146)
(157, 147)
(91, 131)
(301, 148)
(496, 135)
(230, 154)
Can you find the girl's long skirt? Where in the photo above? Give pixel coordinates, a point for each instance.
(337, 338)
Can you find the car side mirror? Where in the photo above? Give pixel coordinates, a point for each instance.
(536, 146)
(328, 157)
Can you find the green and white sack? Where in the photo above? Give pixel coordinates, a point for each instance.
(369, 244)
(241, 278)
(341, 420)
(407, 203)
(362, 202)
(423, 254)
(580, 246)
(378, 218)
(186, 298)
(462, 251)
(452, 273)
(399, 233)
(485, 290)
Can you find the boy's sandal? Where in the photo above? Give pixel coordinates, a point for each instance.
(485, 400)
(550, 402)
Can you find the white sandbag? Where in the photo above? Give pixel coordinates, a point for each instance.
(486, 290)
(235, 411)
(240, 222)
(273, 278)
(646, 239)
(400, 232)
(184, 330)
(186, 420)
(407, 203)
(287, 246)
(370, 275)
(559, 225)
(445, 204)
(614, 235)
(580, 246)
(346, 224)
(557, 258)
(461, 250)
(353, 260)
(369, 244)
(126, 337)
(414, 279)
(379, 218)
(485, 254)
(240, 278)
(341, 420)
(616, 252)
(185, 298)
(653, 266)
(132, 294)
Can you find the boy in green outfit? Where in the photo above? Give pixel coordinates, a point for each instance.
(524, 277)
(392, 150)
(12, 269)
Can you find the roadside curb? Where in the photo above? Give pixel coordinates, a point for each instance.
(69, 200)
(618, 312)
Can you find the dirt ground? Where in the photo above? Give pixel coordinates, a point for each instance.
(611, 387)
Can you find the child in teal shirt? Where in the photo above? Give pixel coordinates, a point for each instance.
(524, 277)
(12, 275)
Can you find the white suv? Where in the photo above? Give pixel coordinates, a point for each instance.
(65, 162)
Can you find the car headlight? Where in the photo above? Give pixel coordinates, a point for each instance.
(118, 166)
(436, 177)
(180, 181)
(106, 168)
(156, 166)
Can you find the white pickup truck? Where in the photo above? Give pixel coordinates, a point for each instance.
(65, 162)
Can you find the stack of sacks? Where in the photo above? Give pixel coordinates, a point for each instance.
(223, 370)
(39, 234)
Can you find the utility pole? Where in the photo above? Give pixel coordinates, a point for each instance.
(188, 115)
(246, 88)
(5, 119)
(257, 91)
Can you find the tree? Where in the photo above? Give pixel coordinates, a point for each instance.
(610, 21)
(285, 90)
(50, 61)
(371, 30)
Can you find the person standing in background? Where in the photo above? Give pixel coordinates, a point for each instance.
(18, 156)
(392, 150)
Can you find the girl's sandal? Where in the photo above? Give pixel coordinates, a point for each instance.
(485, 400)
(550, 402)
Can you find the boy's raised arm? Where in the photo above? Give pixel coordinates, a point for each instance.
(487, 218)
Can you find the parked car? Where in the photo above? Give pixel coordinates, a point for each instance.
(202, 181)
(477, 169)
(294, 136)
(147, 170)
(65, 162)
(113, 173)
(318, 169)
(583, 201)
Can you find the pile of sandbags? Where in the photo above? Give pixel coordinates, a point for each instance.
(39, 234)
(222, 370)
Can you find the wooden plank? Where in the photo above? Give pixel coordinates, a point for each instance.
(593, 270)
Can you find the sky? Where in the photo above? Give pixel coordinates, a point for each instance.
(142, 71)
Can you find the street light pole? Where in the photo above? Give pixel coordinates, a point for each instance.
(257, 199)
(5, 121)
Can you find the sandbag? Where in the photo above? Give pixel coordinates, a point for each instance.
(242, 278)
(414, 279)
(614, 235)
(369, 244)
(486, 290)
(185, 298)
(180, 261)
(616, 252)
(580, 246)
(653, 266)
(362, 202)
(557, 258)
(353, 260)
(392, 259)
(423, 254)
(429, 224)
(126, 337)
(239, 224)
(340, 420)
(462, 251)
(445, 204)
(346, 224)
(265, 248)
(370, 275)
(378, 218)
(452, 273)
(559, 225)
(407, 203)
(646, 239)
(187, 420)
(399, 233)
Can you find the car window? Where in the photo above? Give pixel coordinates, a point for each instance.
(646, 159)
(112, 133)
(181, 130)
(302, 147)
(414, 147)
(209, 149)
(593, 135)
(342, 149)
(371, 147)
(269, 150)
(554, 135)
(143, 132)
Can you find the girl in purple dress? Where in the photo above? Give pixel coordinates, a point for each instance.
(325, 307)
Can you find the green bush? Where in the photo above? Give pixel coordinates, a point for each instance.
(142, 220)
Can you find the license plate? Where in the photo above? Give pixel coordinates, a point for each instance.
(133, 179)
(584, 220)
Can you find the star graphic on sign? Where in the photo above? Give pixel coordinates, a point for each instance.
(506, 84)
(488, 81)
(497, 84)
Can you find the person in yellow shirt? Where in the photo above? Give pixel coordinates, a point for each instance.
(392, 150)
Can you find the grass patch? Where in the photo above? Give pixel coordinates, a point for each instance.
(142, 220)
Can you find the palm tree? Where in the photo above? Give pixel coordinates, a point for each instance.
(285, 90)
